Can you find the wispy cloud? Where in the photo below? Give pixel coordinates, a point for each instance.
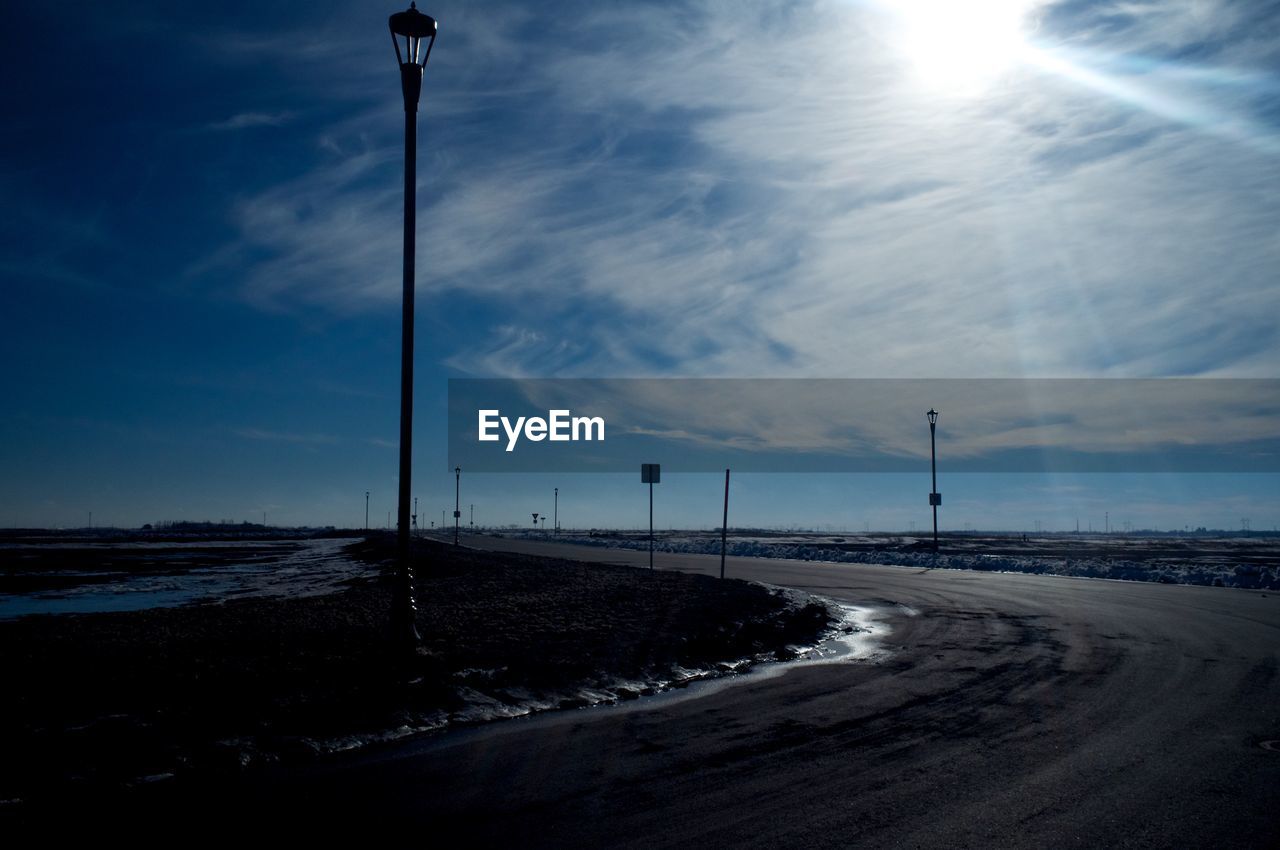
(663, 198)
(244, 120)
(285, 437)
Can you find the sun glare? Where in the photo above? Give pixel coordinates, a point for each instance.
(960, 47)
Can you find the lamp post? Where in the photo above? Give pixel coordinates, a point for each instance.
(366, 510)
(935, 498)
(555, 517)
(457, 504)
(413, 28)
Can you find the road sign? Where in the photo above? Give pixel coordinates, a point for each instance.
(650, 473)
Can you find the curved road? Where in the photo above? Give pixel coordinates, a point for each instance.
(1010, 710)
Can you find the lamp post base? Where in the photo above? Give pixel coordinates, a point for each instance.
(404, 611)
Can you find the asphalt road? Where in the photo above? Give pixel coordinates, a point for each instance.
(1008, 710)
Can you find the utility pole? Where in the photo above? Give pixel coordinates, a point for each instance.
(366, 510)
(724, 526)
(935, 498)
(473, 518)
(457, 495)
(555, 517)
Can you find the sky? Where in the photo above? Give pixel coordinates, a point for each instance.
(200, 250)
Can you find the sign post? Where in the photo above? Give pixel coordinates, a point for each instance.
(457, 502)
(650, 473)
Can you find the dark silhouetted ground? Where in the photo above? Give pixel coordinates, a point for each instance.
(100, 702)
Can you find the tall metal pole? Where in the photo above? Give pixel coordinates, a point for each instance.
(414, 27)
(366, 510)
(933, 466)
(650, 525)
(555, 517)
(724, 529)
(457, 501)
(473, 519)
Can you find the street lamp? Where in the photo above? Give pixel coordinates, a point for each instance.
(366, 510)
(555, 519)
(414, 28)
(935, 498)
(457, 503)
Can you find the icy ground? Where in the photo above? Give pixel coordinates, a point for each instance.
(240, 571)
(1221, 563)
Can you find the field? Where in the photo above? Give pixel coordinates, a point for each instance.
(1225, 561)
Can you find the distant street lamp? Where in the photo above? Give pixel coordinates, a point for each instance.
(555, 517)
(935, 498)
(457, 501)
(366, 510)
(414, 28)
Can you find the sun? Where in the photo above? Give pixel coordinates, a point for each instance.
(960, 47)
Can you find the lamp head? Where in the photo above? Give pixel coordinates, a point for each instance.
(933, 416)
(412, 26)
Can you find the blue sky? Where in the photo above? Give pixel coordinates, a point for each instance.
(200, 249)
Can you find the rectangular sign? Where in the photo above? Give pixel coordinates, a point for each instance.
(650, 473)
